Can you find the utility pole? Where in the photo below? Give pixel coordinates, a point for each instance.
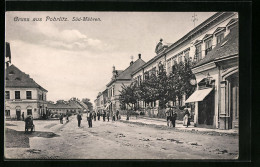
(194, 19)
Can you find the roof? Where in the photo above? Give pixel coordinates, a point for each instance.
(62, 106)
(126, 74)
(16, 78)
(228, 47)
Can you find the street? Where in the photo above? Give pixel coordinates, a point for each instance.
(113, 140)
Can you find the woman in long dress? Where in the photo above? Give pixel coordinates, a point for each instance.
(186, 118)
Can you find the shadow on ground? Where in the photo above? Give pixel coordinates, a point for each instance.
(14, 139)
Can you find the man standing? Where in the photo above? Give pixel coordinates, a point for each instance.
(61, 118)
(117, 114)
(98, 115)
(104, 116)
(23, 116)
(89, 118)
(171, 116)
(174, 117)
(168, 117)
(79, 119)
(108, 114)
(94, 115)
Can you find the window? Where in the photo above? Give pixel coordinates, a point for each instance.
(29, 111)
(7, 95)
(198, 52)
(208, 46)
(169, 66)
(220, 37)
(180, 58)
(17, 94)
(186, 55)
(28, 94)
(7, 112)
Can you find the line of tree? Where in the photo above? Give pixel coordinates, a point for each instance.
(157, 85)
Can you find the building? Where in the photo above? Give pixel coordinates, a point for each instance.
(217, 96)
(23, 95)
(72, 106)
(101, 101)
(203, 46)
(109, 99)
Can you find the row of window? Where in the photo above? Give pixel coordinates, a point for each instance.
(17, 95)
(18, 112)
(208, 46)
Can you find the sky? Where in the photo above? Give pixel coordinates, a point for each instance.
(75, 58)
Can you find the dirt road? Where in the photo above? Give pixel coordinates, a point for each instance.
(113, 140)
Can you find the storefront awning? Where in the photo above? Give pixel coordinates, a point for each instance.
(199, 95)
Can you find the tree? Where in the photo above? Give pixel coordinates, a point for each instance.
(128, 95)
(61, 102)
(88, 103)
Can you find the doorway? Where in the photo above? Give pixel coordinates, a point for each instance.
(18, 114)
(206, 111)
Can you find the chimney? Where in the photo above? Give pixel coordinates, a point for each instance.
(114, 68)
(131, 63)
(139, 55)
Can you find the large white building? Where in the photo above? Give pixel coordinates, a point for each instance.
(215, 50)
(23, 95)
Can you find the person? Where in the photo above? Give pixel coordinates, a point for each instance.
(23, 116)
(114, 117)
(28, 123)
(117, 114)
(79, 118)
(168, 117)
(61, 118)
(89, 118)
(174, 117)
(98, 115)
(67, 117)
(104, 116)
(94, 115)
(108, 115)
(171, 116)
(186, 118)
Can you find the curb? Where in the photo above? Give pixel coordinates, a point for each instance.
(177, 129)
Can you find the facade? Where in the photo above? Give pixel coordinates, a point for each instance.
(220, 107)
(23, 95)
(109, 99)
(72, 106)
(197, 46)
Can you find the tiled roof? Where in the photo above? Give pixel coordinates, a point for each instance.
(126, 74)
(228, 47)
(16, 78)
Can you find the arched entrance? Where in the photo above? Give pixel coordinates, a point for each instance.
(18, 112)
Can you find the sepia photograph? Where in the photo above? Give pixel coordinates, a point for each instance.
(121, 85)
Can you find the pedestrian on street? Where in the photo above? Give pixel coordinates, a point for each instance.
(174, 117)
(168, 117)
(108, 115)
(104, 116)
(89, 118)
(94, 115)
(79, 118)
(114, 117)
(98, 115)
(23, 116)
(171, 116)
(186, 121)
(117, 114)
(61, 118)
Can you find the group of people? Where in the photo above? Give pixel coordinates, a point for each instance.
(92, 116)
(62, 116)
(171, 116)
